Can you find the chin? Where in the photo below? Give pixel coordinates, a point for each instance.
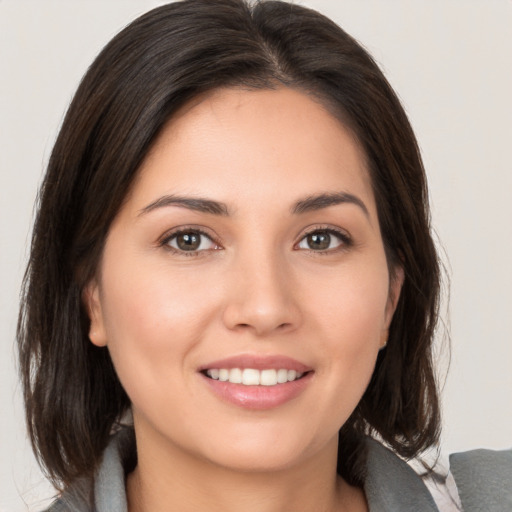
(269, 451)
(256, 461)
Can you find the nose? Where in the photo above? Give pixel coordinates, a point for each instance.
(262, 296)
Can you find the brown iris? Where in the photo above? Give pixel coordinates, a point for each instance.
(319, 241)
(188, 241)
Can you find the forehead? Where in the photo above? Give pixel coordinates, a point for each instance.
(254, 145)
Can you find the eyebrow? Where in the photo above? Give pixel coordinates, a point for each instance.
(319, 201)
(197, 204)
(203, 205)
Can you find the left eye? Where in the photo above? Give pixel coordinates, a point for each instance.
(190, 241)
(322, 240)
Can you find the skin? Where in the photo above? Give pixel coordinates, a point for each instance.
(255, 287)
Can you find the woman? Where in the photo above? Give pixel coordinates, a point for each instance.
(233, 246)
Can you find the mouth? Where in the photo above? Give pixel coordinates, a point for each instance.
(257, 382)
(254, 377)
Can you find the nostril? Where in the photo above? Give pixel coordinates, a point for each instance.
(260, 317)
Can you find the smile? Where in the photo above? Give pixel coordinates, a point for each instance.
(254, 377)
(257, 382)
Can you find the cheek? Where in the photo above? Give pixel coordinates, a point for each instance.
(152, 300)
(153, 320)
(350, 320)
(354, 307)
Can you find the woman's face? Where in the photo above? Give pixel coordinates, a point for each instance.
(249, 250)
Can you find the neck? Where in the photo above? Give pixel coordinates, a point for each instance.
(173, 480)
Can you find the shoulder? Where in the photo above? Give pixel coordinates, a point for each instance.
(106, 492)
(484, 479)
(78, 498)
(392, 485)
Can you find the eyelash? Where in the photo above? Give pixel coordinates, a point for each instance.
(345, 241)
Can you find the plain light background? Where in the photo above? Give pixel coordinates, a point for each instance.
(450, 62)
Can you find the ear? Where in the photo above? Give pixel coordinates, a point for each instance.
(395, 287)
(92, 302)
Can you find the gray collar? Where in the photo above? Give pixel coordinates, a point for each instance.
(392, 485)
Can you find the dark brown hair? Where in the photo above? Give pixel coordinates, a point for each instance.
(151, 68)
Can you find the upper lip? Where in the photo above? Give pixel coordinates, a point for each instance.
(258, 362)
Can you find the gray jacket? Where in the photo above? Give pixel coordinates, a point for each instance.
(483, 477)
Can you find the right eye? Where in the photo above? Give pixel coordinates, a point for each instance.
(189, 241)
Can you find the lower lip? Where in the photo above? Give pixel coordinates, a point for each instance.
(258, 397)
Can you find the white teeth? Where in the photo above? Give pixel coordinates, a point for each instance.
(252, 377)
(282, 376)
(235, 376)
(268, 378)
